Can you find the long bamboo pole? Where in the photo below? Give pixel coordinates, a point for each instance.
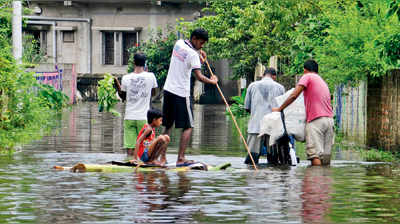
(233, 117)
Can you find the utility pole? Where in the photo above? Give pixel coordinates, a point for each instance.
(17, 31)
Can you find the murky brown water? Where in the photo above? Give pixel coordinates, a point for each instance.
(31, 192)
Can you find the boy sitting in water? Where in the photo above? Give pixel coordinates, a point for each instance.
(148, 148)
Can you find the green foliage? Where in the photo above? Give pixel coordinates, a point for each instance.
(351, 40)
(374, 155)
(24, 114)
(5, 19)
(394, 9)
(25, 111)
(237, 107)
(308, 34)
(158, 49)
(246, 31)
(107, 95)
(32, 54)
(53, 98)
(392, 49)
(369, 155)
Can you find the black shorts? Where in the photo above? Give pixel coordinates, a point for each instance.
(178, 110)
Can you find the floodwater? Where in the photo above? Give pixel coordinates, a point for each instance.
(349, 191)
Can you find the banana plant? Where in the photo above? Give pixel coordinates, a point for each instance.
(107, 98)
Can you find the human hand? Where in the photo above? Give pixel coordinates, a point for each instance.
(275, 109)
(203, 56)
(134, 160)
(214, 79)
(116, 81)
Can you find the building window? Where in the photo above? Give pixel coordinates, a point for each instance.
(39, 40)
(68, 36)
(115, 46)
(108, 48)
(129, 40)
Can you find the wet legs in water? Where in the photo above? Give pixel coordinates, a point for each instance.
(158, 149)
(185, 138)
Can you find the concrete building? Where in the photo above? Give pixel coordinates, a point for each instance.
(95, 35)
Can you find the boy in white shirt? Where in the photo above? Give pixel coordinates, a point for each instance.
(136, 88)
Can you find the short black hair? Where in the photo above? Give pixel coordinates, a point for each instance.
(153, 114)
(200, 33)
(139, 59)
(311, 65)
(270, 71)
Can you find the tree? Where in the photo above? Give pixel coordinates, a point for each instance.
(351, 40)
(394, 9)
(5, 20)
(246, 31)
(158, 50)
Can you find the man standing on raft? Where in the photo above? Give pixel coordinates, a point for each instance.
(178, 106)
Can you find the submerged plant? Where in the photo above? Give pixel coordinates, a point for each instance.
(107, 95)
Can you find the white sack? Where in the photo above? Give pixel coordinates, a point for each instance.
(271, 125)
(295, 119)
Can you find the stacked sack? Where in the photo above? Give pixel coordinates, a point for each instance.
(295, 120)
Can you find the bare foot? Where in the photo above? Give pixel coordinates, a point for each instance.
(184, 162)
(163, 162)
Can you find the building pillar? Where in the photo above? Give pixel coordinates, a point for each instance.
(273, 62)
(17, 31)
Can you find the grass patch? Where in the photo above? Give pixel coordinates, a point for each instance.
(366, 154)
(301, 150)
(375, 155)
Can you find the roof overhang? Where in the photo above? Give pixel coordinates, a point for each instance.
(113, 28)
(66, 28)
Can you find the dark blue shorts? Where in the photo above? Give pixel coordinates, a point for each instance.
(145, 156)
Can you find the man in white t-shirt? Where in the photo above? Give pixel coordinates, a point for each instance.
(136, 88)
(177, 106)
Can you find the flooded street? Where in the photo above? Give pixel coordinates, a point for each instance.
(31, 191)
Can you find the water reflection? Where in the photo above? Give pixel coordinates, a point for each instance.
(316, 195)
(84, 129)
(31, 192)
(160, 196)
